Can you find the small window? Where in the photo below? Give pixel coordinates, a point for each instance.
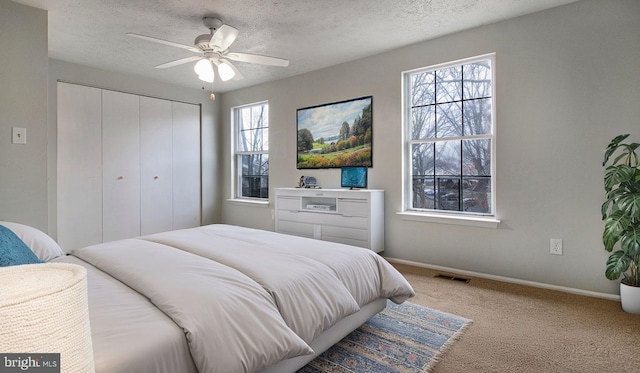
(449, 138)
(251, 148)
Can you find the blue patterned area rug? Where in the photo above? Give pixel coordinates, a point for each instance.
(404, 338)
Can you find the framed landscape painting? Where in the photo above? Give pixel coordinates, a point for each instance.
(336, 134)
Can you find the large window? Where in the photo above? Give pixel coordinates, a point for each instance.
(449, 135)
(251, 124)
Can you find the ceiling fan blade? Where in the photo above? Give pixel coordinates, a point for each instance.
(238, 75)
(223, 37)
(178, 62)
(165, 42)
(256, 58)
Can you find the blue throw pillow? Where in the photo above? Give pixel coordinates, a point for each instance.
(13, 251)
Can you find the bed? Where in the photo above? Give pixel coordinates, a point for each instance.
(222, 298)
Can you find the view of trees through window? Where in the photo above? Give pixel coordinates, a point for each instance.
(450, 137)
(252, 157)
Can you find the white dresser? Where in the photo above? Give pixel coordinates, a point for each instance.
(353, 217)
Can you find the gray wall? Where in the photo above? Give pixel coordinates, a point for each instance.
(73, 73)
(23, 103)
(567, 82)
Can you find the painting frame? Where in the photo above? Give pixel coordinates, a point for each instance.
(335, 134)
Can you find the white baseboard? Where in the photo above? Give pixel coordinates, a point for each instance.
(508, 279)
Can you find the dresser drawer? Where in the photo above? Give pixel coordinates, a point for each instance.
(295, 228)
(324, 219)
(288, 203)
(353, 207)
(346, 241)
(350, 233)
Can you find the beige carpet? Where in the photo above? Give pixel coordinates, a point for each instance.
(524, 329)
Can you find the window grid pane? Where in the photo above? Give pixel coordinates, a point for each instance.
(424, 122)
(449, 120)
(477, 80)
(449, 84)
(253, 128)
(477, 117)
(423, 92)
(254, 175)
(476, 157)
(453, 102)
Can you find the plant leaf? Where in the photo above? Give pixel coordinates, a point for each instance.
(618, 139)
(618, 158)
(630, 241)
(614, 225)
(605, 207)
(611, 204)
(630, 204)
(617, 174)
(617, 264)
(613, 145)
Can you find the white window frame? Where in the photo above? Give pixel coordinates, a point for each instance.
(445, 216)
(236, 171)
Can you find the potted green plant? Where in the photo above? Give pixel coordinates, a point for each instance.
(621, 214)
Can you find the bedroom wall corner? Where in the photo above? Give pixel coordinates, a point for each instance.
(23, 103)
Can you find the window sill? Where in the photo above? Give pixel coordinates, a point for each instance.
(248, 201)
(470, 221)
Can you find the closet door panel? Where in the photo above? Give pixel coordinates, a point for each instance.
(186, 165)
(79, 166)
(121, 165)
(156, 171)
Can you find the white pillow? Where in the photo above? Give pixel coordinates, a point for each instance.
(39, 242)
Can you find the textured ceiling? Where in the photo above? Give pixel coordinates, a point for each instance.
(312, 34)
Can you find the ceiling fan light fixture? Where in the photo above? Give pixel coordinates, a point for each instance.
(206, 78)
(204, 69)
(225, 71)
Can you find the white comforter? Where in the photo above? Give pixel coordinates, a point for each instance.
(247, 298)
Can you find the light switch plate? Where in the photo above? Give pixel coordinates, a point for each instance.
(18, 135)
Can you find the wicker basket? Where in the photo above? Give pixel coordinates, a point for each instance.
(44, 309)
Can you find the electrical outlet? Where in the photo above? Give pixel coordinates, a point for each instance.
(18, 135)
(555, 246)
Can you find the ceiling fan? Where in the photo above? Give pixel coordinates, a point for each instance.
(213, 50)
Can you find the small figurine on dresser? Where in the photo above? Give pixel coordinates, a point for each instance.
(308, 182)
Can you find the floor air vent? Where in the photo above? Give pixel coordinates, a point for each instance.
(454, 278)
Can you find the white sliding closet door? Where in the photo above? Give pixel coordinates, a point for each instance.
(128, 165)
(79, 165)
(121, 165)
(156, 170)
(186, 165)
